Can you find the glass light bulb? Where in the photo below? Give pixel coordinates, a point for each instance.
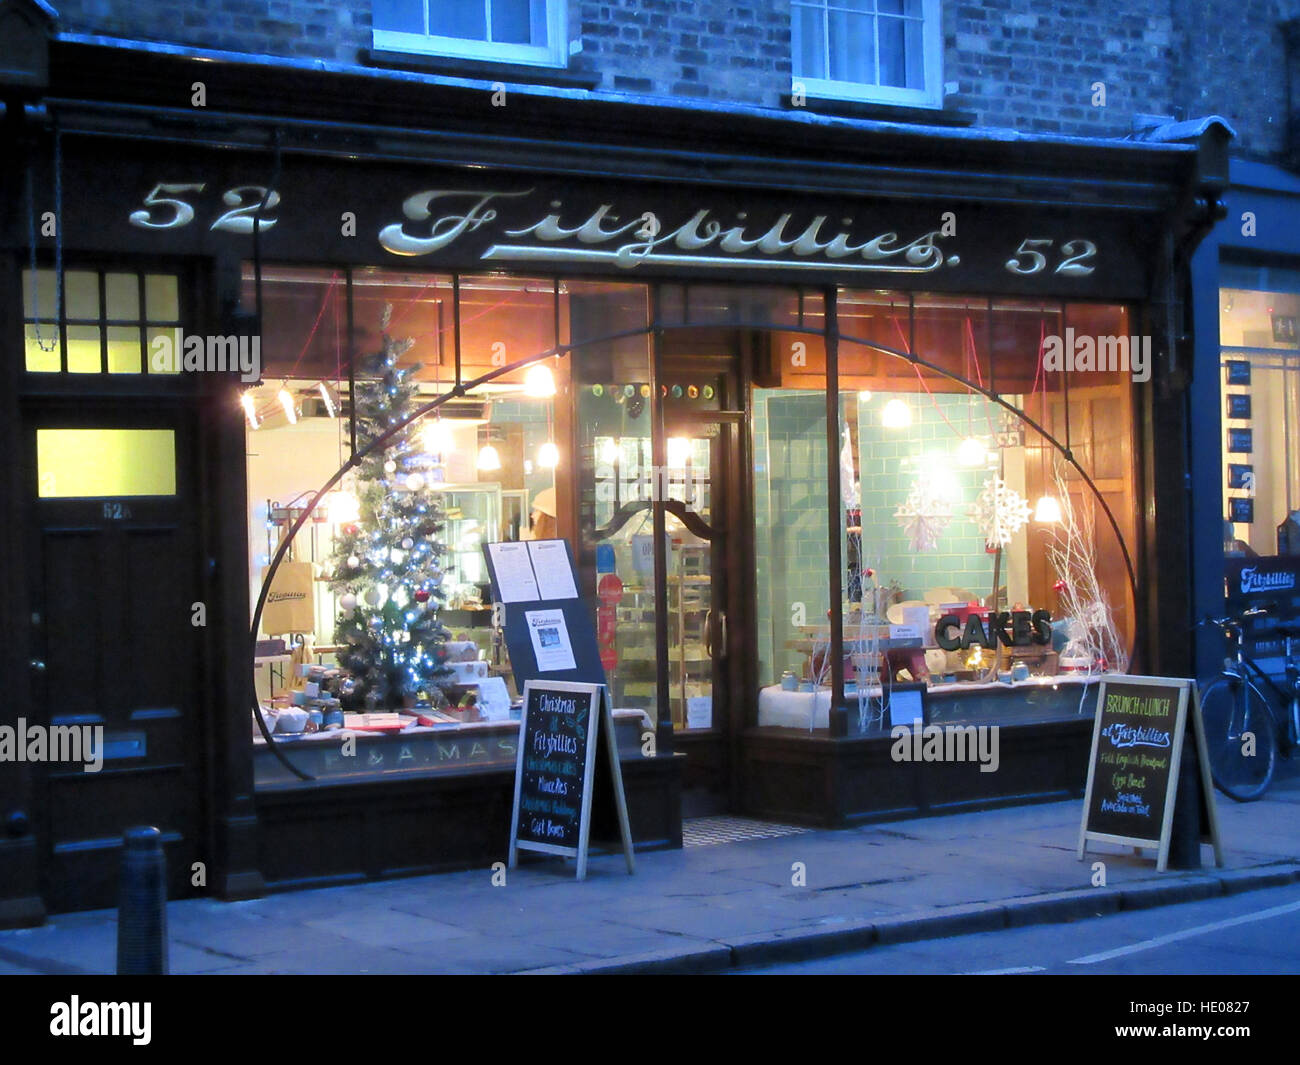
(1048, 510)
(437, 437)
(343, 507)
(539, 382)
(971, 452)
(896, 415)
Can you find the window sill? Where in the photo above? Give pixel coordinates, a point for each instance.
(930, 116)
(452, 66)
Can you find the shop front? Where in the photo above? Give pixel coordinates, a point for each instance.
(847, 426)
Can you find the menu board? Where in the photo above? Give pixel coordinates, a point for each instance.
(556, 758)
(563, 725)
(1137, 745)
(1133, 758)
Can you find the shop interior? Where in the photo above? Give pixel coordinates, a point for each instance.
(1260, 372)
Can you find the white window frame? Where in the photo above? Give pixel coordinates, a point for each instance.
(553, 53)
(930, 96)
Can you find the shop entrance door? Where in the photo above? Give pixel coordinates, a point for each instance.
(116, 649)
(706, 558)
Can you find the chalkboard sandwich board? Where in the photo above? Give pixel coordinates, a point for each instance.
(1137, 747)
(562, 726)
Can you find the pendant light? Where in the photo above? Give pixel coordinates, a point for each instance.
(1048, 510)
(539, 382)
(343, 507)
(896, 415)
(488, 459)
(971, 452)
(548, 456)
(437, 437)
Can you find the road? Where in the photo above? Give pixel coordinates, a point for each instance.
(1255, 932)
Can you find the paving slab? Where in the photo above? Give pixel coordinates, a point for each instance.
(702, 909)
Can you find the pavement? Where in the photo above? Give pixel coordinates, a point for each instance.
(713, 906)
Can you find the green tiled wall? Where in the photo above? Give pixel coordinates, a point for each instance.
(891, 460)
(790, 514)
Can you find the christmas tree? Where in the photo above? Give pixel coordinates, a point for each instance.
(386, 565)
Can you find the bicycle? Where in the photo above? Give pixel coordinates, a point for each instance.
(1244, 727)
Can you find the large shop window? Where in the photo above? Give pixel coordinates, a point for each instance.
(1260, 374)
(387, 576)
(972, 555)
(882, 51)
(961, 524)
(531, 32)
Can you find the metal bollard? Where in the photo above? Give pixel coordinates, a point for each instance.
(142, 909)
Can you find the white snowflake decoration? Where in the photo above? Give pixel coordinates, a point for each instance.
(923, 516)
(999, 512)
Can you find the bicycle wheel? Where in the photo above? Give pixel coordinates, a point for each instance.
(1233, 712)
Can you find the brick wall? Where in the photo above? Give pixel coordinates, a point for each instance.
(1025, 64)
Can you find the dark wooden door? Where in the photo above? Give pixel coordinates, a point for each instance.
(115, 583)
(704, 426)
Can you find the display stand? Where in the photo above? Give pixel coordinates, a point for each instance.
(566, 713)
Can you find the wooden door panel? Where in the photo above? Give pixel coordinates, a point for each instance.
(112, 587)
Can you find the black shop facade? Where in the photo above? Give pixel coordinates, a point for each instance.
(846, 426)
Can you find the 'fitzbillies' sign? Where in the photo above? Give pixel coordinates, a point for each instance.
(439, 219)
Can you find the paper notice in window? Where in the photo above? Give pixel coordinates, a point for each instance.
(554, 574)
(550, 636)
(514, 571)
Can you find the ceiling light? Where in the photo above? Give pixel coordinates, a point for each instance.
(488, 459)
(290, 411)
(548, 456)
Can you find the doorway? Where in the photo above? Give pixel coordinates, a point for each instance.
(707, 557)
(117, 621)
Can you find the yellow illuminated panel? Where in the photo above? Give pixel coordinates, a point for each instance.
(93, 463)
(83, 349)
(38, 359)
(123, 349)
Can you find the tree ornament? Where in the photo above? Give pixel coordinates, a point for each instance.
(353, 562)
(390, 466)
(372, 596)
(422, 595)
(348, 602)
(407, 543)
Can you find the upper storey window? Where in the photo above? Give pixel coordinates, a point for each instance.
(878, 51)
(530, 32)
